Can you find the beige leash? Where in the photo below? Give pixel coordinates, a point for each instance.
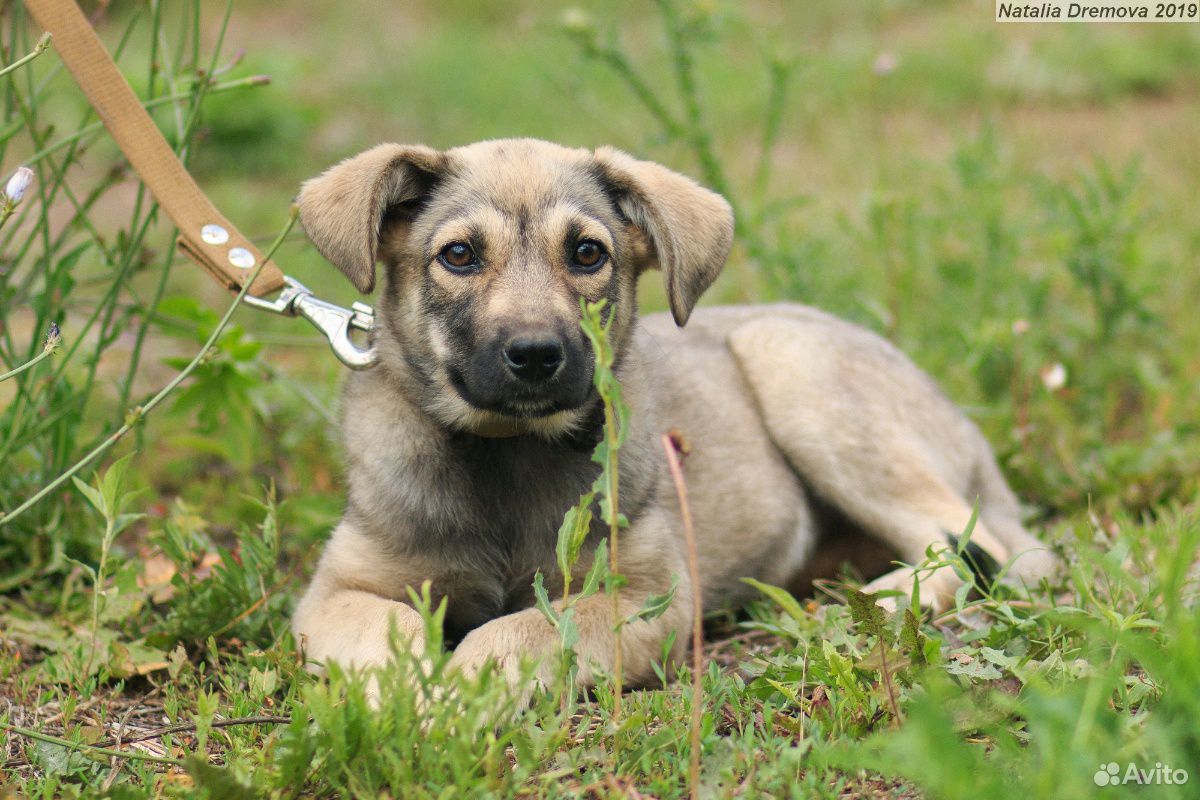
(205, 235)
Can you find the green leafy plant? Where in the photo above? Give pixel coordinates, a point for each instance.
(58, 263)
(109, 498)
(577, 523)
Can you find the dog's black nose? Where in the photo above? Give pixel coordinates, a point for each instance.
(533, 359)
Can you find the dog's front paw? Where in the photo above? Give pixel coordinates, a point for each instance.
(476, 652)
(517, 646)
(366, 652)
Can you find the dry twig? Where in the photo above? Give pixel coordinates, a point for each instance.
(675, 447)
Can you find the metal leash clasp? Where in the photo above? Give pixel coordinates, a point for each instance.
(335, 321)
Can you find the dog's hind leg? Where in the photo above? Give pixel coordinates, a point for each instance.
(869, 433)
(1001, 512)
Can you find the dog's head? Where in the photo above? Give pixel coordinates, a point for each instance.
(487, 251)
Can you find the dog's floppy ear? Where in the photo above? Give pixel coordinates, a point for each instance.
(343, 210)
(690, 227)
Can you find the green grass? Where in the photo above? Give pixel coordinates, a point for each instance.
(997, 200)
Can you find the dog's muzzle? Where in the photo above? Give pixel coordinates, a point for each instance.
(526, 374)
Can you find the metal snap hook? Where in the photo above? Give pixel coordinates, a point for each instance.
(332, 320)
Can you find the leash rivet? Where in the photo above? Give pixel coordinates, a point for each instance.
(241, 258)
(214, 234)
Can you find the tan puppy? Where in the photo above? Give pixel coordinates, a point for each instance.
(472, 435)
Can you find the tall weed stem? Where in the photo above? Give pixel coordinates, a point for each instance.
(139, 413)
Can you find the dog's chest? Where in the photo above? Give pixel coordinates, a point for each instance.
(488, 512)
(517, 490)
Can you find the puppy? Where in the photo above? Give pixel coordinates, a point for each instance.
(472, 435)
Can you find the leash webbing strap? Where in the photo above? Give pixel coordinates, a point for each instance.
(205, 235)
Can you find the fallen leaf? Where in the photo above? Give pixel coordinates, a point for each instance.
(156, 575)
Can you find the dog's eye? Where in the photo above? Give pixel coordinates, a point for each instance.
(589, 256)
(458, 257)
